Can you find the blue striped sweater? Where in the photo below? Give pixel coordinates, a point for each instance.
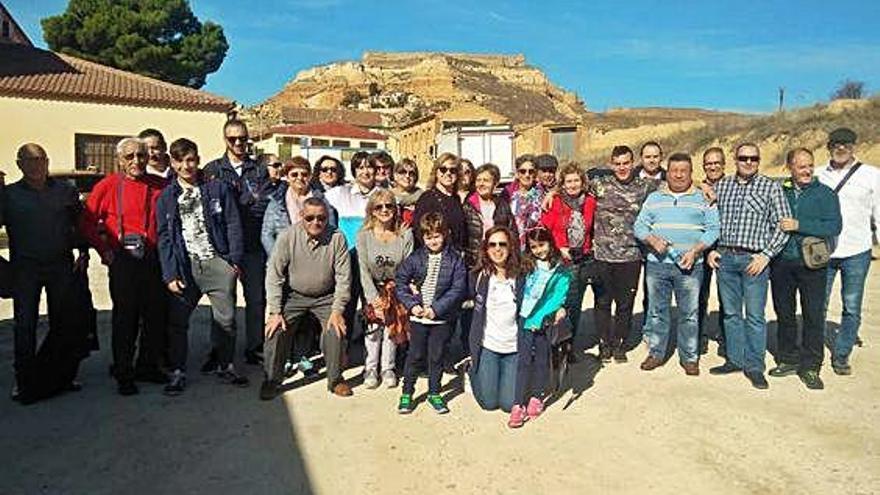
(682, 219)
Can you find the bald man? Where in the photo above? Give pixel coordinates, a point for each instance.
(40, 215)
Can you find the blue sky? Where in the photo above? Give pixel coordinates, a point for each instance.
(728, 55)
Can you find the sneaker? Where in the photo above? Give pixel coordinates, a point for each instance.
(389, 378)
(518, 417)
(811, 379)
(784, 369)
(211, 365)
(535, 408)
(841, 368)
(405, 405)
(620, 355)
(605, 355)
(268, 390)
(305, 365)
(289, 369)
(371, 379)
(230, 376)
(127, 387)
(151, 375)
(438, 403)
(177, 383)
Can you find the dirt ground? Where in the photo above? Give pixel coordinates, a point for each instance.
(618, 430)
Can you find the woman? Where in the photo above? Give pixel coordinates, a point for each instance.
(441, 198)
(382, 244)
(328, 173)
(496, 287)
(465, 179)
(406, 189)
(525, 197)
(484, 209)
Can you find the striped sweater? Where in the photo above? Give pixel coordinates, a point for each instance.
(683, 219)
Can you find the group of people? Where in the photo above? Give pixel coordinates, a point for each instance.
(324, 261)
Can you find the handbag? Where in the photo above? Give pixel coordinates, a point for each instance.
(815, 252)
(133, 244)
(558, 333)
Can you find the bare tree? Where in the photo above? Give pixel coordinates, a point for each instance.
(849, 89)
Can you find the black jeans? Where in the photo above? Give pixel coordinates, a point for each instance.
(426, 343)
(583, 274)
(138, 293)
(618, 283)
(532, 365)
(703, 312)
(786, 279)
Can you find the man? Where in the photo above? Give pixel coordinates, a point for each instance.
(40, 216)
(677, 224)
(816, 214)
(751, 206)
(547, 165)
(119, 221)
(250, 182)
(200, 249)
(651, 155)
(713, 168)
(309, 272)
(619, 197)
(858, 187)
(157, 153)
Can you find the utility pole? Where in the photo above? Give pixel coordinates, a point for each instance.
(781, 99)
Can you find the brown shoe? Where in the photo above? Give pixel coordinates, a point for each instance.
(691, 369)
(342, 389)
(650, 363)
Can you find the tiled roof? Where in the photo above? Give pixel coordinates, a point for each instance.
(329, 129)
(295, 115)
(29, 72)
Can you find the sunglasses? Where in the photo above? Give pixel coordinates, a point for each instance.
(328, 170)
(384, 206)
(315, 218)
(298, 174)
(237, 139)
(448, 170)
(493, 244)
(747, 159)
(130, 156)
(383, 167)
(526, 171)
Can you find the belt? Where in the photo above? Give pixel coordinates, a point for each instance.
(738, 250)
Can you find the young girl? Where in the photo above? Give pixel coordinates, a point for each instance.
(543, 299)
(431, 284)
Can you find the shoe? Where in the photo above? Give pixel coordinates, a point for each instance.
(405, 405)
(127, 388)
(518, 417)
(811, 379)
(389, 378)
(651, 363)
(535, 408)
(783, 369)
(305, 365)
(253, 356)
(177, 383)
(371, 379)
(757, 379)
(605, 355)
(230, 375)
(151, 375)
(841, 368)
(620, 355)
(268, 390)
(438, 403)
(725, 369)
(342, 389)
(691, 368)
(211, 365)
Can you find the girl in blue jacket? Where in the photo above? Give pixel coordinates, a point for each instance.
(544, 294)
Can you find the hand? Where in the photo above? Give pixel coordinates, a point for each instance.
(107, 257)
(714, 259)
(757, 265)
(789, 224)
(708, 193)
(337, 324)
(559, 316)
(418, 311)
(81, 265)
(658, 244)
(686, 262)
(176, 286)
(547, 202)
(414, 289)
(274, 323)
(429, 314)
(566, 253)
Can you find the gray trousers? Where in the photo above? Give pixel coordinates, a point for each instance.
(379, 348)
(277, 348)
(215, 279)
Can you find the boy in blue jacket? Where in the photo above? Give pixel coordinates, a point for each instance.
(431, 284)
(200, 250)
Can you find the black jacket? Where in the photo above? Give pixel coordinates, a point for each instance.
(252, 190)
(478, 289)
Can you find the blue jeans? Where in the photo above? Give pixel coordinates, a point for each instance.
(664, 279)
(746, 336)
(494, 380)
(853, 272)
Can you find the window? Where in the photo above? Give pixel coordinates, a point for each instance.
(288, 140)
(317, 143)
(95, 151)
(563, 142)
(369, 145)
(339, 143)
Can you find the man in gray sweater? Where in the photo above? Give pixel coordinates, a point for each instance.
(309, 271)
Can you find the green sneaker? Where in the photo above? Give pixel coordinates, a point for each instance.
(438, 403)
(811, 380)
(783, 369)
(405, 406)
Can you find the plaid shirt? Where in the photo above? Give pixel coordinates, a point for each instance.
(750, 212)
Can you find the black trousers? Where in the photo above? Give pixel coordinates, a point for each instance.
(427, 347)
(532, 365)
(788, 278)
(138, 295)
(703, 312)
(618, 283)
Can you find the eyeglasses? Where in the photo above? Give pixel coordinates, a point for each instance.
(408, 173)
(328, 170)
(747, 159)
(525, 171)
(234, 139)
(130, 156)
(298, 174)
(384, 206)
(501, 244)
(275, 165)
(315, 218)
(448, 170)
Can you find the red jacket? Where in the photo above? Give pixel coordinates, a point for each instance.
(557, 217)
(99, 222)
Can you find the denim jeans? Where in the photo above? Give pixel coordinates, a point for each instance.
(664, 279)
(853, 272)
(745, 333)
(494, 379)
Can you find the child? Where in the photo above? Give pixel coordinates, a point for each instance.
(431, 283)
(544, 296)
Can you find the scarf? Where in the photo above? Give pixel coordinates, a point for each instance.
(576, 230)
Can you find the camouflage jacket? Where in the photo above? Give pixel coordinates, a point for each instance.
(617, 206)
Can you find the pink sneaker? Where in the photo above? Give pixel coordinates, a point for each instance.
(536, 407)
(517, 417)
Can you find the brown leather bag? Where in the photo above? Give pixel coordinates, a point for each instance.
(396, 315)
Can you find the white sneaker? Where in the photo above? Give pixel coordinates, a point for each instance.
(389, 378)
(371, 379)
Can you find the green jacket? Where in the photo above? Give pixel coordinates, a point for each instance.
(817, 211)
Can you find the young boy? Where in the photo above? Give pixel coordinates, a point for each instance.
(200, 250)
(431, 283)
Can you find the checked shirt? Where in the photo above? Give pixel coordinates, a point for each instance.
(750, 212)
